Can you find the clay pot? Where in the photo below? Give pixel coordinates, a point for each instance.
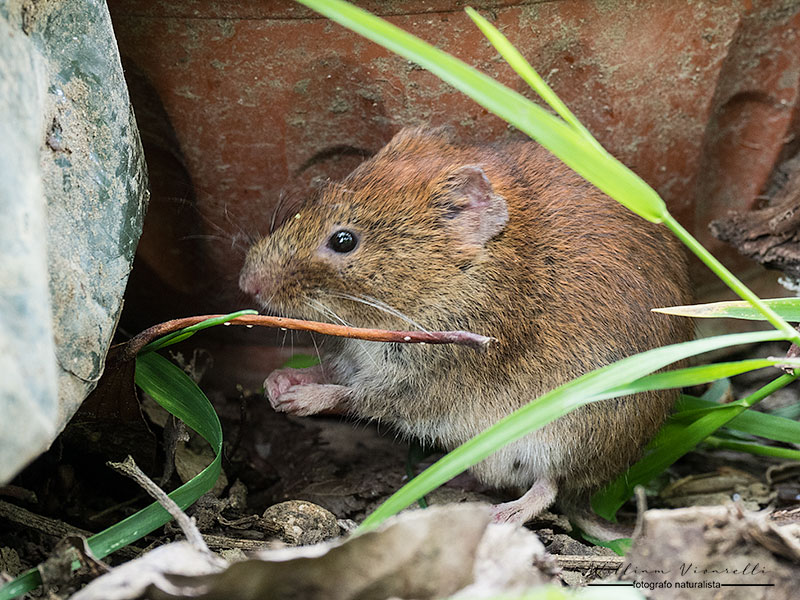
(243, 105)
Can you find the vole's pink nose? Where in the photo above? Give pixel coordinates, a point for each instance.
(249, 283)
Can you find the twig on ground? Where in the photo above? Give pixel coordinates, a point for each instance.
(129, 468)
(577, 562)
(219, 543)
(53, 527)
(20, 493)
(641, 508)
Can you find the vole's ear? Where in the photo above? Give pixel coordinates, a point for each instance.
(471, 209)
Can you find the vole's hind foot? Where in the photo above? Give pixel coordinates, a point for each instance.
(541, 495)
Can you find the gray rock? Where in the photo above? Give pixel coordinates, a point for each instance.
(73, 192)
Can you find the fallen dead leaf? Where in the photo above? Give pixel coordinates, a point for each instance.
(421, 554)
(432, 553)
(134, 579)
(719, 487)
(688, 553)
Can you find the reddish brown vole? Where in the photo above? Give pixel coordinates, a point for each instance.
(501, 240)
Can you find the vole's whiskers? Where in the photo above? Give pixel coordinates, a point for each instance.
(316, 347)
(235, 244)
(268, 302)
(328, 312)
(249, 237)
(325, 311)
(221, 231)
(382, 306)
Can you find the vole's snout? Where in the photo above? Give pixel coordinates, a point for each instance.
(264, 278)
(249, 282)
(254, 278)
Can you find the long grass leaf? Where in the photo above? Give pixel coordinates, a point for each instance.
(751, 448)
(733, 282)
(546, 409)
(178, 394)
(690, 376)
(671, 447)
(771, 427)
(787, 308)
(561, 139)
(524, 69)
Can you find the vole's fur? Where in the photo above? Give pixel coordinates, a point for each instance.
(501, 240)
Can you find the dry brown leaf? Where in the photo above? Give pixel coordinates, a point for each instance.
(423, 554)
(703, 551)
(420, 554)
(133, 579)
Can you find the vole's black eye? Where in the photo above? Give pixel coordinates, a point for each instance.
(343, 241)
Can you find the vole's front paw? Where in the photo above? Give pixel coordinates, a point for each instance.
(281, 380)
(309, 399)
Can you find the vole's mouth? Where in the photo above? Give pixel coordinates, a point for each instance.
(281, 309)
(305, 308)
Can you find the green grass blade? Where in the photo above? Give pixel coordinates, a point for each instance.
(771, 427)
(733, 282)
(787, 308)
(596, 166)
(751, 448)
(187, 332)
(23, 584)
(524, 69)
(690, 376)
(301, 361)
(561, 139)
(677, 442)
(179, 395)
(546, 409)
